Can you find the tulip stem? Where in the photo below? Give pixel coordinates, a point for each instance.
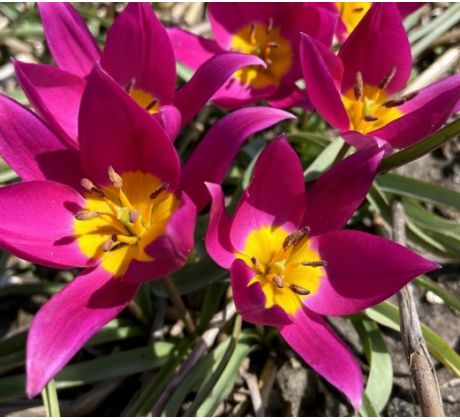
(50, 399)
(178, 303)
(421, 148)
(420, 364)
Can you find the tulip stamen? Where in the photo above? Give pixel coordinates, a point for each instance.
(87, 215)
(89, 186)
(252, 33)
(108, 244)
(295, 238)
(358, 89)
(358, 9)
(400, 101)
(134, 216)
(314, 263)
(387, 79)
(298, 290)
(370, 118)
(130, 86)
(152, 104)
(278, 281)
(163, 187)
(270, 25)
(115, 178)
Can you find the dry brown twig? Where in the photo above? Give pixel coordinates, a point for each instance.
(421, 367)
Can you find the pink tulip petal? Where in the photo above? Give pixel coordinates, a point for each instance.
(138, 47)
(378, 44)
(406, 8)
(276, 195)
(190, 49)
(315, 20)
(234, 94)
(32, 150)
(229, 18)
(36, 223)
(171, 250)
(250, 300)
(424, 114)
(208, 79)
(116, 131)
(362, 270)
(362, 141)
(170, 119)
(322, 71)
(218, 244)
(318, 345)
(72, 45)
(69, 319)
(216, 151)
(298, 18)
(292, 96)
(336, 195)
(55, 94)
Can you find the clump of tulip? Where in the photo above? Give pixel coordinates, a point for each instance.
(104, 189)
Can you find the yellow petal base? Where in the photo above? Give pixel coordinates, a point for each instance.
(119, 223)
(266, 42)
(285, 278)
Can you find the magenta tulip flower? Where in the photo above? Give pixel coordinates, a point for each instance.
(137, 54)
(270, 31)
(360, 88)
(291, 263)
(116, 204)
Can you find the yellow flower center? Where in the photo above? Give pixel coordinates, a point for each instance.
(120, 220)
(143, 98)
(286, 266)
(370, 107)
(266, 42)
(352, 13)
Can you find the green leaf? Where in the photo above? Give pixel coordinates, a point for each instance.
(430, 32)
(108, 335)
(416, 235)
(107, 367)
(153, 389)
(198, 375)
(380, 380)
(427, 220)
(46, 289)
(448, 298)
(324, 160)
(193, 277)
(226, 381)
(423, 191)
(421, 148)
(183, 72)
(387, 314)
